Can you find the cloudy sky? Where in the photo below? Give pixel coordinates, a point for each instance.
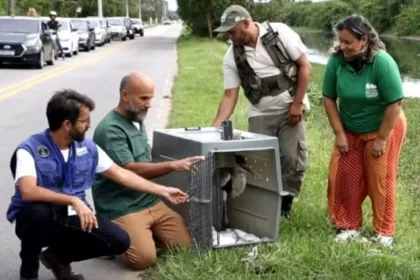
(172, 5)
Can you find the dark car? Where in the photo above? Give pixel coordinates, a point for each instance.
(25, 40)
(138, 26)
(86, 34)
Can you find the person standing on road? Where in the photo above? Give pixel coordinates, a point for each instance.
(54, 25)
(122, 135)
(269, 61)
(369, 126)
(52, 171)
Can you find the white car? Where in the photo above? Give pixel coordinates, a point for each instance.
(104, 28)
(100, 33)
(68, 35)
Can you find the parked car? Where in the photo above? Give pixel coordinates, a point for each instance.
(68, 35)
(25, 40)
(128, 23)
(86, 33)
(121, 28)
(100, 33)
(105, 28)
(138, 26)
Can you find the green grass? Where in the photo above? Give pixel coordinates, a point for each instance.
(305, 249)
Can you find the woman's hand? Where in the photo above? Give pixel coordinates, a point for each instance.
(378, 147)
(342, 143)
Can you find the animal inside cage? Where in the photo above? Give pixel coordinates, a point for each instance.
(234, 192)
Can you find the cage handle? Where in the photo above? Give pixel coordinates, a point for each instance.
(193, 128)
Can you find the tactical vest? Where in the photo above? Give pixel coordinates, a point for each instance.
(72, 178)
(255, 87)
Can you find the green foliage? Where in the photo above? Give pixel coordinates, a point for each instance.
(66, 8)
(408, 21)
(305, 248)
(402, 16)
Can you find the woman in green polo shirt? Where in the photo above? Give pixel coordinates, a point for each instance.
(363, 94)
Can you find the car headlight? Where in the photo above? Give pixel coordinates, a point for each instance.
(33, 42)
(83, 36)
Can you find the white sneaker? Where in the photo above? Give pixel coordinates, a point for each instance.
(349, 235)
(383, 240)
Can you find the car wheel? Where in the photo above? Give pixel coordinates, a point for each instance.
(40, 63)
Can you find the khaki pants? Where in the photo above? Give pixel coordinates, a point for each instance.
(293, 147)
(158, 224)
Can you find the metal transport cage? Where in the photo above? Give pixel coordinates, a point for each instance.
(254, 215)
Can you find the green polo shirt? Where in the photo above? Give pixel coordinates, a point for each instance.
(364, 95)
(124, 143)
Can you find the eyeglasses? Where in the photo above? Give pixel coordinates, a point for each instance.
(85, 121)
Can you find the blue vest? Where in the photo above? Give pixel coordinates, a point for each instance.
(73, 177)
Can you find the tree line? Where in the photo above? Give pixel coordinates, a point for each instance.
(401, 17)
(67, 8)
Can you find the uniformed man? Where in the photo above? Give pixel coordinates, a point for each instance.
(52, 171)
(269, 61)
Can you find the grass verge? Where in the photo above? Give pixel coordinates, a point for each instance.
(305, 249)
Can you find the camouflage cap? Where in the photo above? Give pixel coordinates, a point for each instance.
(231, 17)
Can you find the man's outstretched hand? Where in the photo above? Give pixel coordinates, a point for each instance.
(186, 163)
(174, 195)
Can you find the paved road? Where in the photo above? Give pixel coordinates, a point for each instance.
(23, 97)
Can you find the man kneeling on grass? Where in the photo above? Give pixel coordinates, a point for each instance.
(53, 169)
(144, 216)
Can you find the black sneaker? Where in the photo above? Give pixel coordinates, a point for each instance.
(26, 278)
(61, 272)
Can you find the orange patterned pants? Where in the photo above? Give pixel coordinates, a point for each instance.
(358, 174)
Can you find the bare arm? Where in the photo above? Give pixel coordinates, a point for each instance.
(391, 115)
(303, 77)
(150, 170)
(32, 193)
(227, 106)
(130, 180)
(330, 106)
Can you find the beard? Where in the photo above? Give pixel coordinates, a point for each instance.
(134, 114)
(78, 136)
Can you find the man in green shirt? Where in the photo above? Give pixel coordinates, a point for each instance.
(122, 135)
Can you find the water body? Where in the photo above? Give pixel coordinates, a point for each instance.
(405, 52)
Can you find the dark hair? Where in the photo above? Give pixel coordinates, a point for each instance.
(65, 105)
(360, 27)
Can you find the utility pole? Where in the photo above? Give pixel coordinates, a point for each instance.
(127, 14)
(164, 11)
(100, 12)
(140, 9)
(11, 7)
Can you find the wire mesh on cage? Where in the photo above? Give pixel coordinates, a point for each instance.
(205, 209)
